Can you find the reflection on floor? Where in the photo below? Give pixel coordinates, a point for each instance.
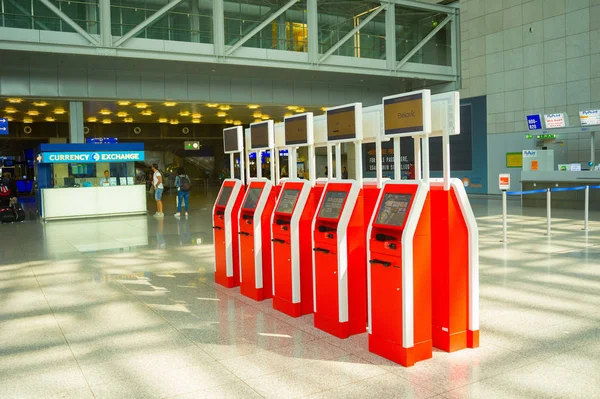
(127, 308)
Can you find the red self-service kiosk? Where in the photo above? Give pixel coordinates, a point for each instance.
(340, 260)
(255, 240)
(400, 274)
(455, 243)
(292, 252)
(255, 219)
(225, 214)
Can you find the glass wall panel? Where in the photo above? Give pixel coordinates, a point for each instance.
(411, 31)
(33, 14)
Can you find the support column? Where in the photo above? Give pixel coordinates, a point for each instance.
(390, 36)
(76, 122)
(195, 21)
(282, 33)
(105, 24)
(312, 22)
(219, 27)
(91, 15)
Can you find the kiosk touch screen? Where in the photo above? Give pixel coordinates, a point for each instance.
(393, 209)
(230, 140)
(341, 123)
(252, 199)
(224, 197)
(288, 201)
(296, 130)
(259, 135)
(333, 204)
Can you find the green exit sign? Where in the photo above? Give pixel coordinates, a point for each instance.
(528, 136)
(546, 136)
(192, 145)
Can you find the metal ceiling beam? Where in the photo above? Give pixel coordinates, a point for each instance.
(70, 22)
(418, 47)
(260, 27)
(353, 32)
(425, 6)
(146, 22)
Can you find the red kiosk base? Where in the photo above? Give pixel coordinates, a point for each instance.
(450, 268)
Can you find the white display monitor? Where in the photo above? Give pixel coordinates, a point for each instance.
(445, 114)
(262, 135)
(299, 130)
(344, 123)
(232, 140)
(407, 114)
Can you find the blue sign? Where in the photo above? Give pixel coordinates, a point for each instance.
(101, 140)
(534, 122)
(3, 127)
(90, 157)
(267, 154)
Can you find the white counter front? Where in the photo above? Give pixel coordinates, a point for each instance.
(82, 202)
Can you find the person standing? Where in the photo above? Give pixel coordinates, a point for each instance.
(184, 185)
(157, 182)
(345, 173)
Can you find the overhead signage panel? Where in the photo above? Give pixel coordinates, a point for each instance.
(91, 157)
(534, 122)
(589, 118)
(556, 121)
(3, 127)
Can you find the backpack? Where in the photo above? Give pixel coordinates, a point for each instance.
(185, 183)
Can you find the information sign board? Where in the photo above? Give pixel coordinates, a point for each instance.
(589, 118)
(555, 121)
(534, 122)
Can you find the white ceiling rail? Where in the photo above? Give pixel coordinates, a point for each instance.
(260, 27)
(152, 18)
(69, 21)
(343, 40)
(427, 38)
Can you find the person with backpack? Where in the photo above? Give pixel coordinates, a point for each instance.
(184, 185)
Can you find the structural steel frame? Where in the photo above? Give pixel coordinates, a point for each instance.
(105, 44)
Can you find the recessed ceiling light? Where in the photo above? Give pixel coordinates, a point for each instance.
(299, 110)
(265, 117)
(105, 111)
(212, 105)
(92, 119)
(257, 120)
(174, 122)
(14, 100)
(49, 119)
(221, 114)
(169, 103)
(59, 111)
(40, 103)
(128, 120)
(225, 107)
(253, 106)
(196, 116)
(10, 110)
(195, 120)
(257, 114)
(124, 102)
(324, 109)
(292, 107)
(288, 114)
(122, 114)
(33, 112)
(141, 105)
(163, 120)
(27, 120)
(237, 123)
(8, 118)
(106, 121)
(229, 121)
(146, 112)
(184, 113)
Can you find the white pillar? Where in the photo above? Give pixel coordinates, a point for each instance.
(105, 24)
(76, 134)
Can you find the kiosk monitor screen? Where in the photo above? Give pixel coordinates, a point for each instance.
(259, 135)
(296, 130)
(332, 205)
(341, 123)
(403, 114)
(224, 197)
(230, 140)
(288, 201)
(252, 198)
(393, 209)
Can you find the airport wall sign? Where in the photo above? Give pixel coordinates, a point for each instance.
(555, 121)
(3, 126)
(534, 122)
(101, 140)
(90, 157)
(589, 118)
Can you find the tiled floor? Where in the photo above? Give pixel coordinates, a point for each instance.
(127, 308)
